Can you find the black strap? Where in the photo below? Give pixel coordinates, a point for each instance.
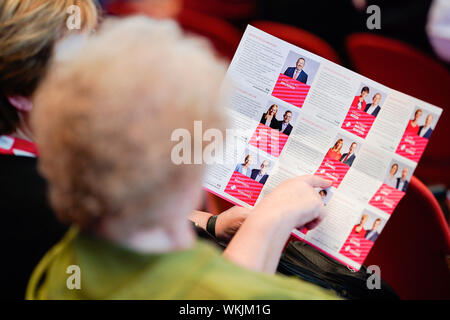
(211, 225)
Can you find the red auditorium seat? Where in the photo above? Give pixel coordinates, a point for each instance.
(226, 9)
(222, 34)
(412, 249)
(216, 205)
(403, 68)
(300, 38)
(224, 37)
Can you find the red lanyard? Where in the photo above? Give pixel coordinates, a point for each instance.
(17, 146)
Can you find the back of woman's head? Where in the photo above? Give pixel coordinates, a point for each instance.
(104, 121)
(28, 32)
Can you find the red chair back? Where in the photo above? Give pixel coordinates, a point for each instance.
(225, 9)
(300, 38)
(215, 204)
(403, 68)
(222, 34)
(412, 249)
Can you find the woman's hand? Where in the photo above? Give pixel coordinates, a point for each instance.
(294, 203)
(229, 222)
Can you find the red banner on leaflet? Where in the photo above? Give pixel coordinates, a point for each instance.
(269, 140)
(356, 247)
(358, 122)
(386, 198)
(412, 146)
(332, 170)
(290, 90)
(243, 188)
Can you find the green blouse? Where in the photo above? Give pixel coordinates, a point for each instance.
(108, 271)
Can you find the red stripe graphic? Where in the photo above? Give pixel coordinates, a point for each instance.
(290, 90)
(356, 247)
(358, 122)
(412, 146)
(386, 198)
(332, 170)
(269, 140)
(243, 188)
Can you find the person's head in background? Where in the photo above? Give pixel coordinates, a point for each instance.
(157, 9)
(29, 30)
(323, 193)
(107, 114)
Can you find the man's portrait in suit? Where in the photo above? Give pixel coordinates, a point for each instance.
(285, 126)
(425, 131)
(297, 72)
(402, 182)
(260, 175)
(374, 107)
(349, 157)
(373, 233)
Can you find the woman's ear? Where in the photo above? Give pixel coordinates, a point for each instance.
(21, 103)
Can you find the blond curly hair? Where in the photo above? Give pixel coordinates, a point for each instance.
(103, 120)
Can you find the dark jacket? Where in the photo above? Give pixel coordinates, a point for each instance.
(302, 76)
(30, 228)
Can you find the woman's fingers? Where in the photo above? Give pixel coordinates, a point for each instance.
(315, 181)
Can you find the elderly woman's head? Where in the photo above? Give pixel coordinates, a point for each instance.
(104, 118)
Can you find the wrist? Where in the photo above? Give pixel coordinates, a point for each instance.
(274, 218)
(200, 218)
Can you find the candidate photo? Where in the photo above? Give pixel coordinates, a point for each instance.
(279, 118)
(300, 68)
(368, 99)
(297, 72)
(374, 231)
(374, 107)
(350, 156)
(343, 150)
(398, 176)
(269, 118)
(369, 226)
(422, 123)
(244, 167)
(325, 194)
(359, 102)
(260, 175)
(254, 166)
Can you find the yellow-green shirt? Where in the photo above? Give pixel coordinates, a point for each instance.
(108, 271)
